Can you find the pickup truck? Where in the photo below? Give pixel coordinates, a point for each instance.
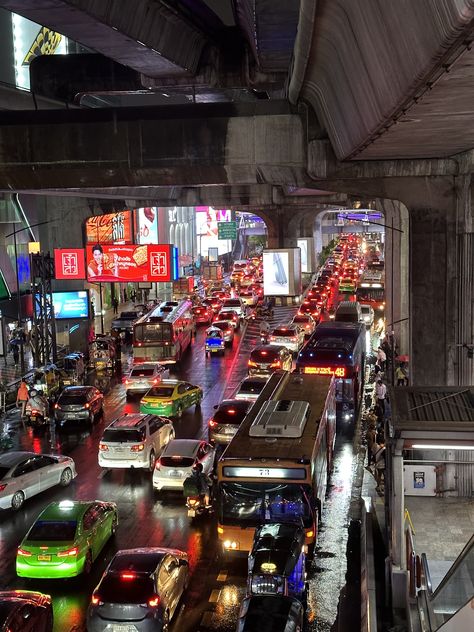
(124, 323)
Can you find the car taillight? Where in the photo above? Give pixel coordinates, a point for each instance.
(137, 448)
(68, 553)
(251, 363)
(34, 412)
(127, 576)
(167, 403)
(24, 553)
(293, 339)
(272, 338)
(2, 487)
(154, 601)
(87, 405)
(103, 447)
(157, 464)
(275, 365)
(57, 407)
(212, 423)
(96, 600)
(155, 381)
(126, 381)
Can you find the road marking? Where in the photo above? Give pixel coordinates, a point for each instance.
(222, 576)
(215, 594)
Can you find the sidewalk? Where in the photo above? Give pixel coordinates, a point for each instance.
(9, 372)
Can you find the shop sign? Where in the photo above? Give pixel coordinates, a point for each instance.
(69, 263)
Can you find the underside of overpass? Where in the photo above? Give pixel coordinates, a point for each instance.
(283, 108)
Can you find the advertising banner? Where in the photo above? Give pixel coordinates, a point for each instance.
(148, 262)
(69, 263)
(113, 228)
(306, 246)
(282, 272)
(68, 305)
(146, 222)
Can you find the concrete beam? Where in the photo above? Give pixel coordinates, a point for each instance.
(191, 145)
(148, 36)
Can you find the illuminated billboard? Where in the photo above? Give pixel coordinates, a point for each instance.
(282, 272)
(207, 219)
(69, 263)
(148, 262)
(68, 305)
(112, 228)
(146, 222)
(306, 246)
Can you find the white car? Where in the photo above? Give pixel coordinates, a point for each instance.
(290, 336)
(306, 322)
(367, 314)
(144, 376)
(250, 388)
(177, 460)
(135, 441)
(25, 474)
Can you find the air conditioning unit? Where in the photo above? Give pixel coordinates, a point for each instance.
(281, 418)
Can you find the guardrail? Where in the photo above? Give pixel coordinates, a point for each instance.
(368, 597)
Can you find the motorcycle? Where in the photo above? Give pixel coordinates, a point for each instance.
(37, 410)
(264, 337)
(197, 507)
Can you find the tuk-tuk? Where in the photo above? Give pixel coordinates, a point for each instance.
(215, 342)
(276, 563)
(103, 352)
(47, 379)
(74, 369)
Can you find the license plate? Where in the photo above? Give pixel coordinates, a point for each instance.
(44, 558)
(116, 627)
(191, 513)
(175, 474)
(229, 431)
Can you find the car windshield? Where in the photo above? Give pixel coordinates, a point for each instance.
(230, 414)
(68, 399)
(142, 372)
(53, 530)
(284, 332)
(232, 302)
(136, 588)
(177, 461)
(128, 315)
(250, 386)
(161, 391)
(250, 504)
(222, 326)
(124, 435)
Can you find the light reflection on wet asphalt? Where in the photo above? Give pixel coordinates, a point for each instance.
(214, 593)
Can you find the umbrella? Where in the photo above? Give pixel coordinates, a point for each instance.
(403, 358)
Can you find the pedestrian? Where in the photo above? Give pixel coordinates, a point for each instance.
(381, 394)
(22, 398)
(379, 456)
(381, 358)
(92, 308)
(16, 353)
(370, 437)
(400, 375)
(115, 304)
(125, 295)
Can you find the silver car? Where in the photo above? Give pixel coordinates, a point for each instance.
(227, 329)
(140, 590)
(25, 474)
(177, 461)
(144, 376)
(250, 388)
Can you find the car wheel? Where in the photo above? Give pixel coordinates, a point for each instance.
(87, 563)
(18, 500)
(151, 462)
(66, 477)
(165, 625)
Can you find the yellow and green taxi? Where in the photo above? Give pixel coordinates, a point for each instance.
(170, 398)
(66, 539)
(347, 284)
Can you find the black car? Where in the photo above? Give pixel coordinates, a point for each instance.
(25, 611)
(271, 613)
(226, 420)
(78, 404)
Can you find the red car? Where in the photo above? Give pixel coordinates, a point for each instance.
(203, 314)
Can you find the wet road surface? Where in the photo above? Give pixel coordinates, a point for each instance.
(216, 589)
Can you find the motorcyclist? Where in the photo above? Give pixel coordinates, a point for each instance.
(203, 483)
(264, 329)
(38, 401)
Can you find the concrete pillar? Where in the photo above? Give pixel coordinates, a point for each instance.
(442, 289)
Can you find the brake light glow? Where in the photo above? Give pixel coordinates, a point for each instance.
(57, 407)
(103, 447)
(275, 365)
(95, 600)
(87, 405)
(212, 423)
(137, 448)
(251, 363)
(68, 553)
(154, 602)
(24, 553)
(128, 576)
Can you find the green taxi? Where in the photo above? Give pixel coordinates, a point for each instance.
(170, 398)
(66, 539)
(347, 285)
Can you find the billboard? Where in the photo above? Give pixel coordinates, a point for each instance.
(69, 263)
(282, 272)
(207, 219)
(71, 304)
(306, 246)
(148, 262)
(112, 228)
(146, 223)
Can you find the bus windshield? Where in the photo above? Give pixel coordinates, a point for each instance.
(153, 332)
(250, 504)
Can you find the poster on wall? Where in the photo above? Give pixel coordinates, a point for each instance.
(146, 222)
(112, 228)
(303, 246)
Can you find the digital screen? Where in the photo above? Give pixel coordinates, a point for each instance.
(148, 262)
(298, 473)
(112, 228)
(69, 263)
(146, 221)
(303, 246)
(71, 304)
(337, 371)
(276, 279)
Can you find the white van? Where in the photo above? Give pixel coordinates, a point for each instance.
(349, 312)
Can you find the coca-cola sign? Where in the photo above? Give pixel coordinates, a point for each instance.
(113, 228)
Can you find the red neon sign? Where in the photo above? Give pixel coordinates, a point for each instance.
(69, 263)
(337, 371)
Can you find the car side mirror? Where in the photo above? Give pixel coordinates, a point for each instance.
(216, 406)
(182, 562)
